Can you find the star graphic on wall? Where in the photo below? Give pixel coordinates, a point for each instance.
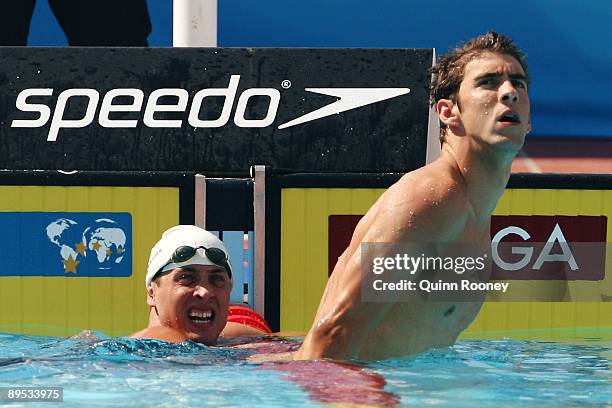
(70, 264)
(96, 245)
(80, 248)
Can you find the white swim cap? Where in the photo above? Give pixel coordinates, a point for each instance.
(176, 237)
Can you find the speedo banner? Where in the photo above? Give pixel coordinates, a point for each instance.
(214, 110)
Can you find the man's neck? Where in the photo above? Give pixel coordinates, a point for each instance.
(484, 169)
(153, 318)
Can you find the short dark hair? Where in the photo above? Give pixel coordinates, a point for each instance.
(449, 71)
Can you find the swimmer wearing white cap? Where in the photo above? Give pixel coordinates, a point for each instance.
(188, 281)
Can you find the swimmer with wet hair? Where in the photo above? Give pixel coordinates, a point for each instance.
(480, 92)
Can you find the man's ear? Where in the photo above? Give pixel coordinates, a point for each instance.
(448, 113)
(151, 295)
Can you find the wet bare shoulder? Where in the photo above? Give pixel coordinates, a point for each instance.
(429, 203)
(160, 333)
(434, 184)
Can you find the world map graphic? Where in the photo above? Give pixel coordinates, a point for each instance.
(99, 245)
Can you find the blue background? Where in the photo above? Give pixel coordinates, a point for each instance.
(27, 250)
(568, 43)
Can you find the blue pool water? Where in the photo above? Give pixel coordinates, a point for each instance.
(120, 372)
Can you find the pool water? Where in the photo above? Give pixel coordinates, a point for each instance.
(121, 372)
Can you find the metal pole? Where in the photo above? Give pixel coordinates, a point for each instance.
(259, 206)
(433, 130)
(194, 23)
(200, 201)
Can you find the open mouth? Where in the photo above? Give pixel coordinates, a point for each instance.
(510, 117)
(201, 316)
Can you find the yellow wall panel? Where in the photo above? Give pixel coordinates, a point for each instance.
(53, 305)
(55, 310)
(294, 272)
(31, 298)
(304, 246)
(545, 201)
(151, 221)
(122, 288)
(316, 239)
(11, 317)
(158, 210)
(340, 199)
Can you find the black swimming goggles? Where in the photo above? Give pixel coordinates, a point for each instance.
(215, 255)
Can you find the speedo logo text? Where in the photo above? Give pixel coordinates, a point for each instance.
(348, 99)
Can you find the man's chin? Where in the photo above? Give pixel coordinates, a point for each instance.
(510, 139)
